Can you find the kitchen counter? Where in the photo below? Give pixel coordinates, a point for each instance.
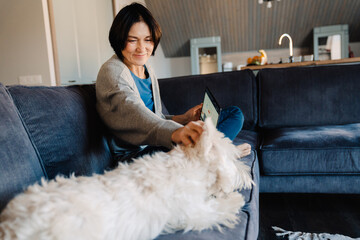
(309, 63)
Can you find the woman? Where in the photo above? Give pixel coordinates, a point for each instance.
(128, 98)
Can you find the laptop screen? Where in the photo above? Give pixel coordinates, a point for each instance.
(210, 108)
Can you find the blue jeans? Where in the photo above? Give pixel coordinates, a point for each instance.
(230, 123)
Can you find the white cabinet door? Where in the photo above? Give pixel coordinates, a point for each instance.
(82, 29)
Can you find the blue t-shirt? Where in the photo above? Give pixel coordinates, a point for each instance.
(145, 89)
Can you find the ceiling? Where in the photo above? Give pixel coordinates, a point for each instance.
(245, 25)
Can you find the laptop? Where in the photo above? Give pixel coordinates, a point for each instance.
(211, 108)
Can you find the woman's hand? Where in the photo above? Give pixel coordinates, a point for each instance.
(189, 134)
(193, 114)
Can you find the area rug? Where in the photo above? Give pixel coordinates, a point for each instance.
(309, 236)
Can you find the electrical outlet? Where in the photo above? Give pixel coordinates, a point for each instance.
(30, 80)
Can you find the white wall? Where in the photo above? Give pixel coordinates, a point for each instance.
(23, 46)
(169, 67)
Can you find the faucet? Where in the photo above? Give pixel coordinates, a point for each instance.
(290, 45)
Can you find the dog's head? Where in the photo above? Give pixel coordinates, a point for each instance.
(221, 156)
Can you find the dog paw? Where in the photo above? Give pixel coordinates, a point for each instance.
(245, 149)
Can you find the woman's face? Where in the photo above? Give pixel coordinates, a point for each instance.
(139, 45)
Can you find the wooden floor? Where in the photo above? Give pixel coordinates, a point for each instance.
(309, 213)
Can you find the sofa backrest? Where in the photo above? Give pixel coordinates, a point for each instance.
(20, 164)
(63, 124)
(304, 96)
(237, 88)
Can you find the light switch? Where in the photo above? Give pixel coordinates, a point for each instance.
(30, 79)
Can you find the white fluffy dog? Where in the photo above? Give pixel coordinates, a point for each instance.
(188, 188)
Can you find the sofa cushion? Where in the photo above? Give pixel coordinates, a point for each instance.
(64, 125)
(311, 150)
(304, 96)
(20, 165)
(248, 136)
(237, 88)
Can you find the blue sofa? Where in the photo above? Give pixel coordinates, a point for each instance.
(303, 124)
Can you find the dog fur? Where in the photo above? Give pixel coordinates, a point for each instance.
(188, 188)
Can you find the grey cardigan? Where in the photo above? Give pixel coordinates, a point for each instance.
(121, 108)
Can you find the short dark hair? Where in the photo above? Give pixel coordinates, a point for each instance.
(124, 20)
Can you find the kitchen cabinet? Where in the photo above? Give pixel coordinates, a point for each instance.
(331, 42)
(205, 55)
